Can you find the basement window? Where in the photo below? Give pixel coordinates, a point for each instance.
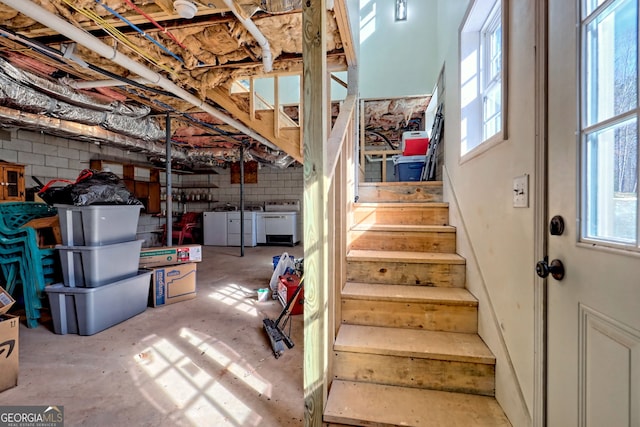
(483, 68)
(609, 117)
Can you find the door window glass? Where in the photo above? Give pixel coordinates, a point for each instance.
(611, 155)
(12, 184)
(609, 117)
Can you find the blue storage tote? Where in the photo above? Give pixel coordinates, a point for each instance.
(408, 168)
(93, 266)
(96, 225)
(86, 311)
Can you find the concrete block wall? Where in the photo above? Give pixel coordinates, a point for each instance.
(50, 157)
(273, 184)
(373, 171)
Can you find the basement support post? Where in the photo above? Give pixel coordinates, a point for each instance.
(242, 199)
(316, 228)
(168, 178)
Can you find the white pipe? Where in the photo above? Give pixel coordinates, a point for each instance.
(80, 36)
(77, 84)
(267, 57)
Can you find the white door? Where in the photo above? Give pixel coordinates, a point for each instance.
(594, 311)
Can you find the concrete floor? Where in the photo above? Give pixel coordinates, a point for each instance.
(202, 362)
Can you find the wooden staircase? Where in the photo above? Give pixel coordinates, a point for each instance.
(408, 352)
(269, 120)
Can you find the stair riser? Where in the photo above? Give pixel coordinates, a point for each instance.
(453, 376)
(399, 273)
(404, 241)
(398, 193)
(432, 317)
(426, 215)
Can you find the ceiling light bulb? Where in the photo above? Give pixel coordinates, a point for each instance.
(185, 8)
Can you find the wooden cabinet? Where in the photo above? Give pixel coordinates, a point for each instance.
(11, 182)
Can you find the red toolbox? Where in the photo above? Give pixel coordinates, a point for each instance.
(287, 285)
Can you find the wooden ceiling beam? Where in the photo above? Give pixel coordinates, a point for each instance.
(344, 27)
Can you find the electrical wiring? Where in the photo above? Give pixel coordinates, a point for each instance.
(117, 34)
(135, 27)
(59, 57)
(154, 22)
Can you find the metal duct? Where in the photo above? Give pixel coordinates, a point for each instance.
(65, 94)
(274, 7)
(78, 131)
(63, 27)
(281, 6)
(14, 93)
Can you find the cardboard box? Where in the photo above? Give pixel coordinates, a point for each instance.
(9, 327)
(158, 257)
(6, 301)
(171, 284)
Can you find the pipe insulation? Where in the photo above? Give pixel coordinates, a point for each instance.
(92, 43)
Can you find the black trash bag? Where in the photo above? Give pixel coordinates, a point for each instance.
(101, 188)
(91, 188)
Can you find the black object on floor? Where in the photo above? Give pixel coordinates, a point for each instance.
(277, 336)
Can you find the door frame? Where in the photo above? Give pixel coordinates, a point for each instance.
(540, 215)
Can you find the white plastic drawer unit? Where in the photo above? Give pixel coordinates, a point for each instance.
(234, 229)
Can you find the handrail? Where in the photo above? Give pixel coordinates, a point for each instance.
(339, 133)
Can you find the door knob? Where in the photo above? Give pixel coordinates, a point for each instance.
(555, 268)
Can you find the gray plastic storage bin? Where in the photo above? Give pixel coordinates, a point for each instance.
(98, 225)
(86, 311)
(93, 266)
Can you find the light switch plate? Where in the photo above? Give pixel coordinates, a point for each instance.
(521, 191)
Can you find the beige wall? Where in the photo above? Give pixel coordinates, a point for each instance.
(397, 58)
(496, 238)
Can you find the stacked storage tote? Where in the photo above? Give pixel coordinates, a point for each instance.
(99, 256)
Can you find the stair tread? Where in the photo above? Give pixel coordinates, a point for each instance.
(408, 293)
(404, 227)
(401, 205)
(373, 404)
(417, 343)
(404, 256)
(401, 184)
